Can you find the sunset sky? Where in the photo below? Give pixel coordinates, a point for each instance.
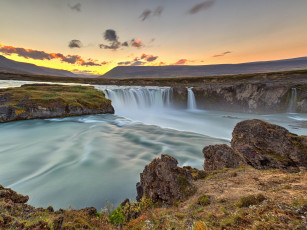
(94, 36)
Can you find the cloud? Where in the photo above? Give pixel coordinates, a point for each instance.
(222, 54)
(142, 60)
(180, 62)
(75, 44)
(201, 6)
(145, 15)
(110, 35)
(124, 63)
(138, 63)
(42, 55)
(151, 13)
(114, 43)
(76, 7)
(149, 58)
(137, 43)
(125, 44)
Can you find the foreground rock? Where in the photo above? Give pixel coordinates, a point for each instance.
(221, 156)
(261, 145)
(49, 101)
(265, 146)
(163, 182)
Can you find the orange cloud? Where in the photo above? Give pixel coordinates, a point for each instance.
(180, 62)
(42, 55)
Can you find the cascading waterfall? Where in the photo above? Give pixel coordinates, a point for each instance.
(292, 103)
(191, 100)
(139, 97)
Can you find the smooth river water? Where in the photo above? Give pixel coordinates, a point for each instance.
(86, 161)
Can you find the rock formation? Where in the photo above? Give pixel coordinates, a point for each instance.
(162, 181)
(261, 145)
(49, 101)
(253, 97)
(264, 145)
(220, 156)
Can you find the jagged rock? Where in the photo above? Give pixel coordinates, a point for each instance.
(220, 156)
(140, 191)
(9, 194)
(264, 145)
(163, 181)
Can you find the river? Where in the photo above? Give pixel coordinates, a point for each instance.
(88, 160)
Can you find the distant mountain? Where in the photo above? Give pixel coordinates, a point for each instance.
(121, 72)
(10, 66)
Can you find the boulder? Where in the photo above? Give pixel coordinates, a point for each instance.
(163, 182)
(265, 146)
(221, 156)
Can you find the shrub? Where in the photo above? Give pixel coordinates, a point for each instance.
(204, 200)
(247, 201)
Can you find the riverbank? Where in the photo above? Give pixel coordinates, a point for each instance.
(50, 101)
(258, 93)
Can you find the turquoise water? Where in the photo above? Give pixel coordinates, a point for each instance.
(86, 161)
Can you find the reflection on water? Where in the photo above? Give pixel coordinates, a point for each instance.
(86, 161)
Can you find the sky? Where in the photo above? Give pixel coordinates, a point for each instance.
(94, 36)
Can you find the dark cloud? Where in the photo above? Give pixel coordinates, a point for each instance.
(113, 46)
(151, 13)
(75, 44)
(180, 62)
(137, 43)
(222, 54)
(148, 58)
(124, 63)
(137, 63)
(76, 7)
(42, 55)
(110, 35)
(145, 15)
(201, 6)
(125, 44)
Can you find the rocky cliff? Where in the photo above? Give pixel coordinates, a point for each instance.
(49, 101)
(246, 97)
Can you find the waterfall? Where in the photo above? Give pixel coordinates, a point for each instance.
(191, 100)
(136, 98)
(292, 102)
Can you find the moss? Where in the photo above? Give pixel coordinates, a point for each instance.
(247, 201)
(186, 187)
(203, 200)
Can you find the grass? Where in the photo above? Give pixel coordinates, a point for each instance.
(22, 99)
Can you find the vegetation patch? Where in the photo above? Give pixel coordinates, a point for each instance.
(247, 201)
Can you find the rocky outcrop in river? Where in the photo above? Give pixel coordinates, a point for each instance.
(49, 101)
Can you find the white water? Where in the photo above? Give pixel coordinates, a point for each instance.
(86, 161)
(191, 105)
(293, 99)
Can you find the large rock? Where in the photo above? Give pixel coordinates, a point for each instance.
(264, 145)
(163, 182)
(220, 156)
